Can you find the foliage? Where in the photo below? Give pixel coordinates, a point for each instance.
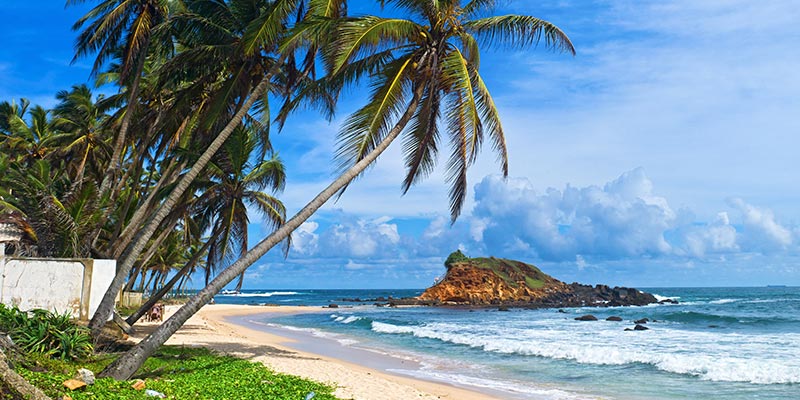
(455, 257)
(46, 333)
(184, 373)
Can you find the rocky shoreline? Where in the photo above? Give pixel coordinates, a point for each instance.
(494, 282)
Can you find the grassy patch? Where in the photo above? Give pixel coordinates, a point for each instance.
(181, 373)
(534, 283)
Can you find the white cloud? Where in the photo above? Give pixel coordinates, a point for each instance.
(761, 230)
(622, 219)
(304, 239)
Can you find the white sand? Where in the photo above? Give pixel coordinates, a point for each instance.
(209, 329)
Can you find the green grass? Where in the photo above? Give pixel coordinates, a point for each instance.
(510, 270)
(534, 283)
(180, 373)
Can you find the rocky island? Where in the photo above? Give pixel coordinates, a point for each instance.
(501, 282)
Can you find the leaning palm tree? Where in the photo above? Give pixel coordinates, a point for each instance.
(427, 73)
(262, 35)
(108, 27)
(235, 183)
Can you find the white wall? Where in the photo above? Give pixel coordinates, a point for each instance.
(61, 285)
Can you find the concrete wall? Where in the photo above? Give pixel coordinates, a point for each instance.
(62, 285)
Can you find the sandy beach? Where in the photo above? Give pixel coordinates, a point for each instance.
(211, 328)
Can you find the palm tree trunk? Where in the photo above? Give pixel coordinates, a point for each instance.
(114, 193)
(144, 210)
(126, 365)
(119, 143)
(106, 306)
(164, 290)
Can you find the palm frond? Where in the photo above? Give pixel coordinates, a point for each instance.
(519, 31)
(363, 130)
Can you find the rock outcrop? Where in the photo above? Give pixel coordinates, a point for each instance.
(496, 281)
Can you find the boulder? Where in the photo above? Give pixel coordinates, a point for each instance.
(333, 305)
(85, 375)
(641, 321)
(640, 328)
(614, 318)
(587, 317)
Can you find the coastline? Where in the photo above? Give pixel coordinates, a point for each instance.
(222, 327)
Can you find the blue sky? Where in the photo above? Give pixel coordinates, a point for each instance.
(663, 154)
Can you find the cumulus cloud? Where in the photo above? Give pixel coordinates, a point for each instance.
(348, 236)
(624, 218)
(760, 229)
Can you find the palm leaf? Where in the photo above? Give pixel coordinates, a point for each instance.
(519, 31)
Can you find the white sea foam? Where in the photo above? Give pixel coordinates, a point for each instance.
(662, 298)
(723, 301)
(503, 386)
(267, 294)
(760, 359)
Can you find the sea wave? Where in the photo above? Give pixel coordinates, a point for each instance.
(662, 298)
(723, 301)
(713, 366)
(345, 319)
(504, 386)
(264, 294)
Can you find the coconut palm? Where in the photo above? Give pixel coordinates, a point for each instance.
(81, 140)
(24, 131)
(262, 35)
(236, 183)
(428, 73)
(108, 27)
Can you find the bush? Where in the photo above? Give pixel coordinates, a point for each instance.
(454, 257)
(46, 333)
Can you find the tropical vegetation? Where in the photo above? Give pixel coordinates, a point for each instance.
(178, 373)
(160, 175)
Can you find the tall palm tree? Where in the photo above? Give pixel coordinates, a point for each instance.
(108, 27)
(429, 69)
(262, 36)
(81, 140)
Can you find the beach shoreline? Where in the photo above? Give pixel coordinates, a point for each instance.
(223, 328)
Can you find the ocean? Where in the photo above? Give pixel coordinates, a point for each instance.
(717, 343)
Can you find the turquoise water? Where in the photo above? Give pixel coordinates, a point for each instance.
(718, 343)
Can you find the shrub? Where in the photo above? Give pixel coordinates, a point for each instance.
(454, 257)
(47, 333)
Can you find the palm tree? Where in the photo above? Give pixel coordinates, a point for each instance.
(81, 141)
(430, 69)
(236, 183)
(24, 138)
(110, 26)
(262, 35)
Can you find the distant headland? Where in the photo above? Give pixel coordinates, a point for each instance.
(501, 282)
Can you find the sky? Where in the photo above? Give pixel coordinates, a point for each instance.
(664, 153)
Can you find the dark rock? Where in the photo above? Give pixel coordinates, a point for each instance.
(587, 317)
(614, 318)
(640, 328)
(668, 301)
(561, 310)
(641, 321)
(502, 308)
(332, 305)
